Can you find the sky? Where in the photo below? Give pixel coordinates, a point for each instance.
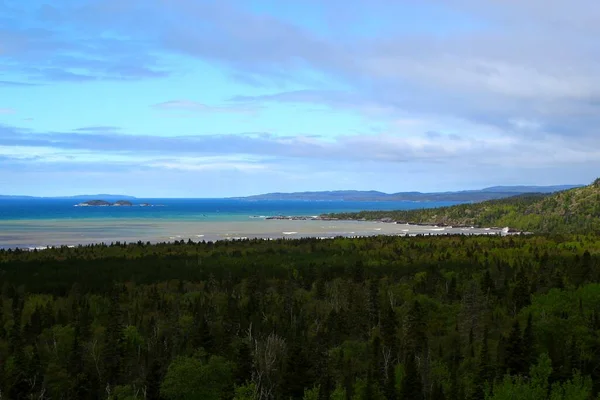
(201, 98)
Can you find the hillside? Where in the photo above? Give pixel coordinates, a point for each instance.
(575, 210)
(490, 193)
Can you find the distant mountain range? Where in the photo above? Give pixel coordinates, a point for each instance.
(490, 193)
(77, 197)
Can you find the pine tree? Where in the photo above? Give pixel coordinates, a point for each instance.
(438, 392)
(389, 329)
(206, 339)
(529, 356)
(153, 379)
(243, 364)
(415, 329)
(521, 291)
(501, 357)
(487, 283)
(370, 392)
(412, 387)
(374, 305)
(320, 289)
(471, 343)
(112, 352)
(84, 320)
(452, 290)
(325, 386)
(75, 363)
(298, 376)
(389, 389)
(514, 360)
(18, 386)
(34, 326)
(485, 371)
(376, 362)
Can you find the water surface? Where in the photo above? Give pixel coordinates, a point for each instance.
(36, 223)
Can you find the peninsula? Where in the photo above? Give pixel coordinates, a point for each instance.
(569, 211)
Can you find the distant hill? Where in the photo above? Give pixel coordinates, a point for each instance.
(76, 197)
(570, 211)
(496, 192)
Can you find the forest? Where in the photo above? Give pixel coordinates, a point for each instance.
(453, 317)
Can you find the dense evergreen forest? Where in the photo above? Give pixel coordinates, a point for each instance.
(453, 317)
(570, 211)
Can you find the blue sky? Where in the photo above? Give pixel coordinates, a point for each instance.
(200, 98)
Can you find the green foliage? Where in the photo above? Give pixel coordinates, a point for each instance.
(190, 378)
(361, 318)
(520, 388)
(245, 392)
(366, 389)
(579, 388)
(311, 394)
(537, 387)
(571, 211)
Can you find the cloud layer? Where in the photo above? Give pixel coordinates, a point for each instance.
(445, 86)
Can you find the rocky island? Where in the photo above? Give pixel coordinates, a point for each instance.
(104, 203)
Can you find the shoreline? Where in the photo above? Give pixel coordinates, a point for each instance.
(29, 235)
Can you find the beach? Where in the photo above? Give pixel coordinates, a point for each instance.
(43, 233)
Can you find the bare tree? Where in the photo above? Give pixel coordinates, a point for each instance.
(268, 359)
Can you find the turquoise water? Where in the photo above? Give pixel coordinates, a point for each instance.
(38, 223)
(190, 209)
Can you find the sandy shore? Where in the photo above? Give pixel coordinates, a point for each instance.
(41, 233)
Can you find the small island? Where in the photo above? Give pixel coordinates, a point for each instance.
(104, 203)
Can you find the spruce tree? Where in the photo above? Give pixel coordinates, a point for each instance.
(438, 392)
(415, 328)
(389, 329)
(529, 356)
(412, 388)
(112, 352)
(374, 302)
(243, 364)
(297, 375)
(514, 357)
(521, 291)
(376, 362)
(485, 371)
(325, 386)
(153, 379)
(389, 389)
